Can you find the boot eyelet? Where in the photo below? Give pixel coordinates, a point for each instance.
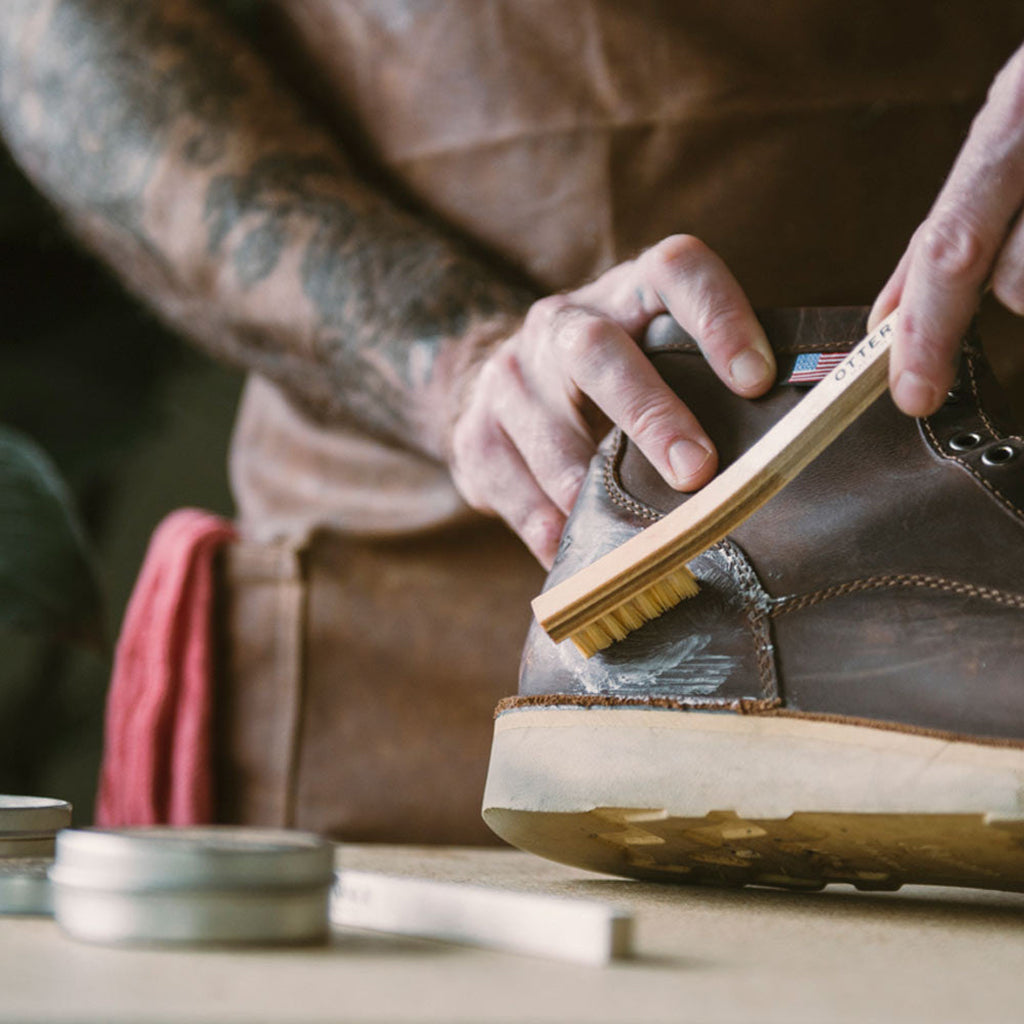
(952, 397)
(965, 441)
(999, 454)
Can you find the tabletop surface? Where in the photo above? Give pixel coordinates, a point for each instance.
(702, 955)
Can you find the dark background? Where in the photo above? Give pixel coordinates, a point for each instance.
(137, 422)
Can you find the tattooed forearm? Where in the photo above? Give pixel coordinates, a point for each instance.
(173, 152)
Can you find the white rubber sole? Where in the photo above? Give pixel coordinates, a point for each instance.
(731, 799)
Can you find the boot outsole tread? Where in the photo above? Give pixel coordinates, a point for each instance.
(645, 794)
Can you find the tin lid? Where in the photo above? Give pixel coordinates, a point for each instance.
(32, 815)
(214, 857)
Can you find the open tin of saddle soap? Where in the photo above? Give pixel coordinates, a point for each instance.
(28, 831)
(210, 885)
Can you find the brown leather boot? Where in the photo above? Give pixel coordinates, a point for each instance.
(844, 698)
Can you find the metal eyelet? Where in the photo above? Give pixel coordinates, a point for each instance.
(965, 441)
(999, 454)
(952, 397)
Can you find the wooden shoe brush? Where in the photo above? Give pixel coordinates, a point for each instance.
(647, 575)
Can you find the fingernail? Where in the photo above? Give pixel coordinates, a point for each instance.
(914, 395)
(686, 459)
(749, 369)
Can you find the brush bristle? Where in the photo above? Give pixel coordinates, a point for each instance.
(655, 600)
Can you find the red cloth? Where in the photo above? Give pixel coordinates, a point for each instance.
(157, 766)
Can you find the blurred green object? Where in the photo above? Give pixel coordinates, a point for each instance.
(50, 597)
(48, 580)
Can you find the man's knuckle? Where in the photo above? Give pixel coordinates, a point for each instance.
(542, 313)
(568, 484)
(477, 439)
(503, 369)
(488, 388)
(717, 322)
(674, 255)
(954, 248)
(645, 418)
(541, 528)
(580, 339)
(489, 378)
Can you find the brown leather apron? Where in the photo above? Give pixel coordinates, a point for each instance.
(371, 620)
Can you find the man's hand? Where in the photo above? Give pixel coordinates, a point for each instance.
(972, 238)
(521, 445)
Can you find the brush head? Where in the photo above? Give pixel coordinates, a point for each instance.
(648, 604)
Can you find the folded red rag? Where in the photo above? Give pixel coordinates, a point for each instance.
(157, 765)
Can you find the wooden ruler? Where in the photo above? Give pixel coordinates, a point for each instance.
(582, 931)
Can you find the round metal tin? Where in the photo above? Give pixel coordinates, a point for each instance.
(192, 885)
(28, 825)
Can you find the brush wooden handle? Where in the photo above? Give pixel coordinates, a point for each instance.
(734, 495)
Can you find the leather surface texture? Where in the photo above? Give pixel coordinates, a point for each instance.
(885, 583)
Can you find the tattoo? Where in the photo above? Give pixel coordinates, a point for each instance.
(387, 294)
(123, 111)
(106, 80)
(258, 253)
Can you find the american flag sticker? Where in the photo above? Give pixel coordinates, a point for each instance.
(810, 367)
